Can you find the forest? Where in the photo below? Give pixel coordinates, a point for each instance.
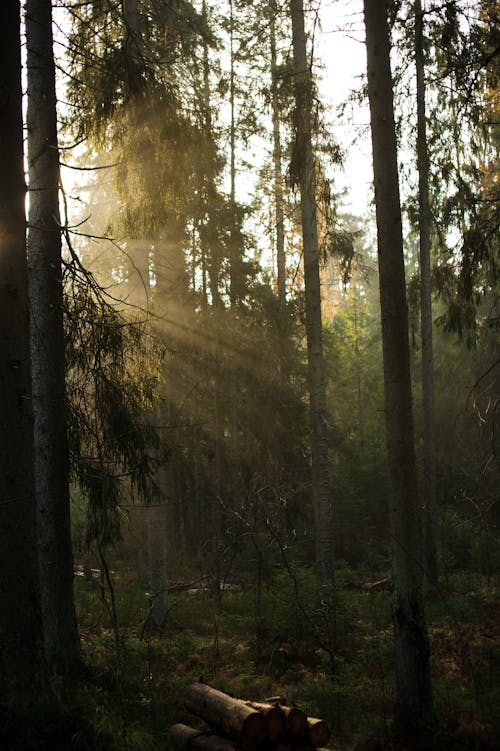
(249, 376)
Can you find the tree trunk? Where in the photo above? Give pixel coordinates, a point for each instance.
(318, 732)
(414, 698)
(236, 718)
(296, 722)
(21, 663)
(158, 569)
(274, 720)
(47, 346)
(277, 157)
(424, 221)
(316, 370)
(235, 281)
(359, 380)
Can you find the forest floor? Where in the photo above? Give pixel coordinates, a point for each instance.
(334, 663)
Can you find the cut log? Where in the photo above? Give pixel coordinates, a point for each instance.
(275, 720)
(235, 718)
(296, 722)
(184, 737)
(318, 732)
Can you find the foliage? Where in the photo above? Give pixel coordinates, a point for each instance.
(113, 368)
(461, 46)
(356, 697)
(187, 384)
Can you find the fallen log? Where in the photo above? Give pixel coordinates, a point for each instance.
(184, 737)
(234, 717)
(318, 732)
(296, 722)
(274, 719)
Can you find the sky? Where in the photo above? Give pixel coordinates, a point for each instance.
(340, 47)
(340, 57)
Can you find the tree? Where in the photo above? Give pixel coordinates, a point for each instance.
(48, 347)
(21, 661)
(414, 696)
(304, 170)
(277, 160)
(463, 148)
(424, 222)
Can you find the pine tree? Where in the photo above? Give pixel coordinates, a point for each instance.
(21, 641)
(414, 696)
(424, 221)
(305, 171)
(48, 347)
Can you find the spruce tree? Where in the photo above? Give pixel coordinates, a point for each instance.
(21, 642)
(413, 683)
(48, 346)
(305, 173)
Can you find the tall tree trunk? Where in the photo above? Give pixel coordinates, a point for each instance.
(424, 221)
(234, 251)
(414, 698)
(316, 370)
(277, 159)
(47, 346)
(359, 380)
(220, 463)
(21, 661)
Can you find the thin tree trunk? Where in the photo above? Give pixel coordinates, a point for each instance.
(234, 265)
(236, 281)
(219, 445)
(47, 346)
(424, 221)
(359, 382)
(21, 660)
(158, 569)
(204, 200)
(277, 159)
(414, 697)
(316, 369)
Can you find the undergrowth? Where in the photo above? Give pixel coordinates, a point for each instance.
(333, 658)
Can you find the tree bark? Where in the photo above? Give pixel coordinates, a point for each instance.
(21, 661)
(318, 732)
(424, 222)
(316, 370)
(47, 346)
(274, 719)
(235, 266)
(277, 159)
(232, 716)
(296, 722)
(414, 697)
(158, 565)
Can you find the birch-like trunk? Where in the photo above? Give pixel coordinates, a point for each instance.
(316, 369)
(414, 697)
(48, 347)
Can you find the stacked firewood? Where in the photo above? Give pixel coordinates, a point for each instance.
(237, 725)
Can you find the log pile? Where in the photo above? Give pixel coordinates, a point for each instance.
(238, 725)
